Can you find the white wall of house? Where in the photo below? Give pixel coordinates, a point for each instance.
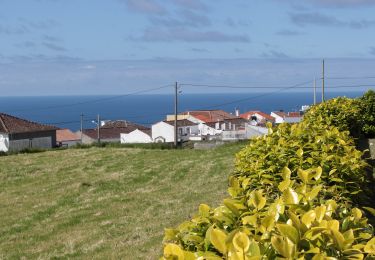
(278, 119)
(135, 136)
(164, 130)
(4, 142)
(207, 130)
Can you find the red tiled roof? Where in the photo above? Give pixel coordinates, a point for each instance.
(63, 135)
(209, 115)
(11, 125)
(249, 114)
(183, 122)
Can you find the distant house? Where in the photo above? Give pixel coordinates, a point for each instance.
(229, 129)
(66, 138)
(137, 136)
(164, 131)
(279, 116)
(110, 132)
(209, 115)
(257, 117)
(182, 117)
(282, 117)
(17, 134)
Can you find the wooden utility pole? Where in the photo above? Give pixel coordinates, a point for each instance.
(323, 83)
(175, 116)
(81, 126)
(314, 91)
(98, 128)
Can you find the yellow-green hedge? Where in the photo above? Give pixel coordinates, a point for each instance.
(292, 196)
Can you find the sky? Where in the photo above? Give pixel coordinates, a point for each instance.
(93, 47)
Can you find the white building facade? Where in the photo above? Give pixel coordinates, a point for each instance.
(136, 136)
(4, 142)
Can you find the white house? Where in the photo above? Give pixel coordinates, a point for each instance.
(187, 117)
(279, 116)
(206, 129)
(137, 136)
(164, 131)
(257, 117)
(282, 117)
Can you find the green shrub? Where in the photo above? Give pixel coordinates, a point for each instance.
(354, 115)
(293, 206)
(292, 196)
(303, 148)
(368, 113)
(343, 113)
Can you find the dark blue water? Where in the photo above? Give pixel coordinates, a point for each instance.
(64, 111)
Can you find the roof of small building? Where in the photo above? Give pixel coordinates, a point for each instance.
(294, 114)
(12, 125)
(239, 121)
(209, 115)
(122, 124)
(64, 135)
(249, 114)
(113, 129)
(280, 113)
(183, 122)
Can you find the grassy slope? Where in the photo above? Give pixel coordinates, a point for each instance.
(104, 203)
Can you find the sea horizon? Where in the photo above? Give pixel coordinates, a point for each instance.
(147, 109)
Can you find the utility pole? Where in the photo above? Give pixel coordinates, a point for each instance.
(175, 116)
(314, 91)
(98, 128)
(81, 126)
(323, 83)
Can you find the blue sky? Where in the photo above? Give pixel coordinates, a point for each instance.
(61, 47)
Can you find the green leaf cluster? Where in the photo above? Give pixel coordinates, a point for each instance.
(367, 105)
(354, 115)
(294, 194)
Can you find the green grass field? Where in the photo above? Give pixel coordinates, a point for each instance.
(104, 203)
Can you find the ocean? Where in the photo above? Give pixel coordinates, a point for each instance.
(65, 111)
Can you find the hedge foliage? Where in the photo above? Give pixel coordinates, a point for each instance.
(354, 115)
(368, 113)
(294, 195)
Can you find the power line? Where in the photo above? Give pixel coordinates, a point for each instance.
(365, 77)
(237, 87)
(257, 96)
(352, 86)
(94, 101)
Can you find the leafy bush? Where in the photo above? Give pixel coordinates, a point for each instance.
(305, 148)
(291, 197)
(343, 113)
(354, 115)
(368, 113)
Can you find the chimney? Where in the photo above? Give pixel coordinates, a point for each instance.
(237, 112)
